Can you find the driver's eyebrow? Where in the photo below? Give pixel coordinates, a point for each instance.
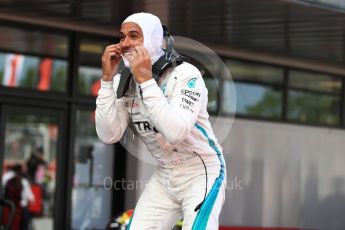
(129, 32)
(133, 32)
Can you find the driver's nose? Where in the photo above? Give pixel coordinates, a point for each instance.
(125, 44)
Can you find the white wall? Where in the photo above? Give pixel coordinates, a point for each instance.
(281, 175)
(287, 173)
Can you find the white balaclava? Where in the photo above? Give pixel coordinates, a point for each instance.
(153, 34)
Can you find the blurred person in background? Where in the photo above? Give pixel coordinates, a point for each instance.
(17, 189)
(39, 177)
(36, 166)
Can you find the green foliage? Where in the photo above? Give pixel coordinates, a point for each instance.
(83, 87)
(1, 77)
(313, 108)
(86, 124)
(58, 82)
(30, 78)
(269, 106)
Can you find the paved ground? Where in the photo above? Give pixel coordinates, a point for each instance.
(42, 223)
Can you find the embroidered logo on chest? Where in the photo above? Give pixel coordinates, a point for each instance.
(191, 83)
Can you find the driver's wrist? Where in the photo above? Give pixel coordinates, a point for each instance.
(106, 78)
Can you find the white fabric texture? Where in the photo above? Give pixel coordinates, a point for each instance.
(153, 34)
(170, 116)
(173, 113)
(175, 202)
(171, 107)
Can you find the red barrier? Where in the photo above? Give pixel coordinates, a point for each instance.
(36, 206)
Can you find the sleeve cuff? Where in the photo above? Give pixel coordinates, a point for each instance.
(148, 83)
(106, 84)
